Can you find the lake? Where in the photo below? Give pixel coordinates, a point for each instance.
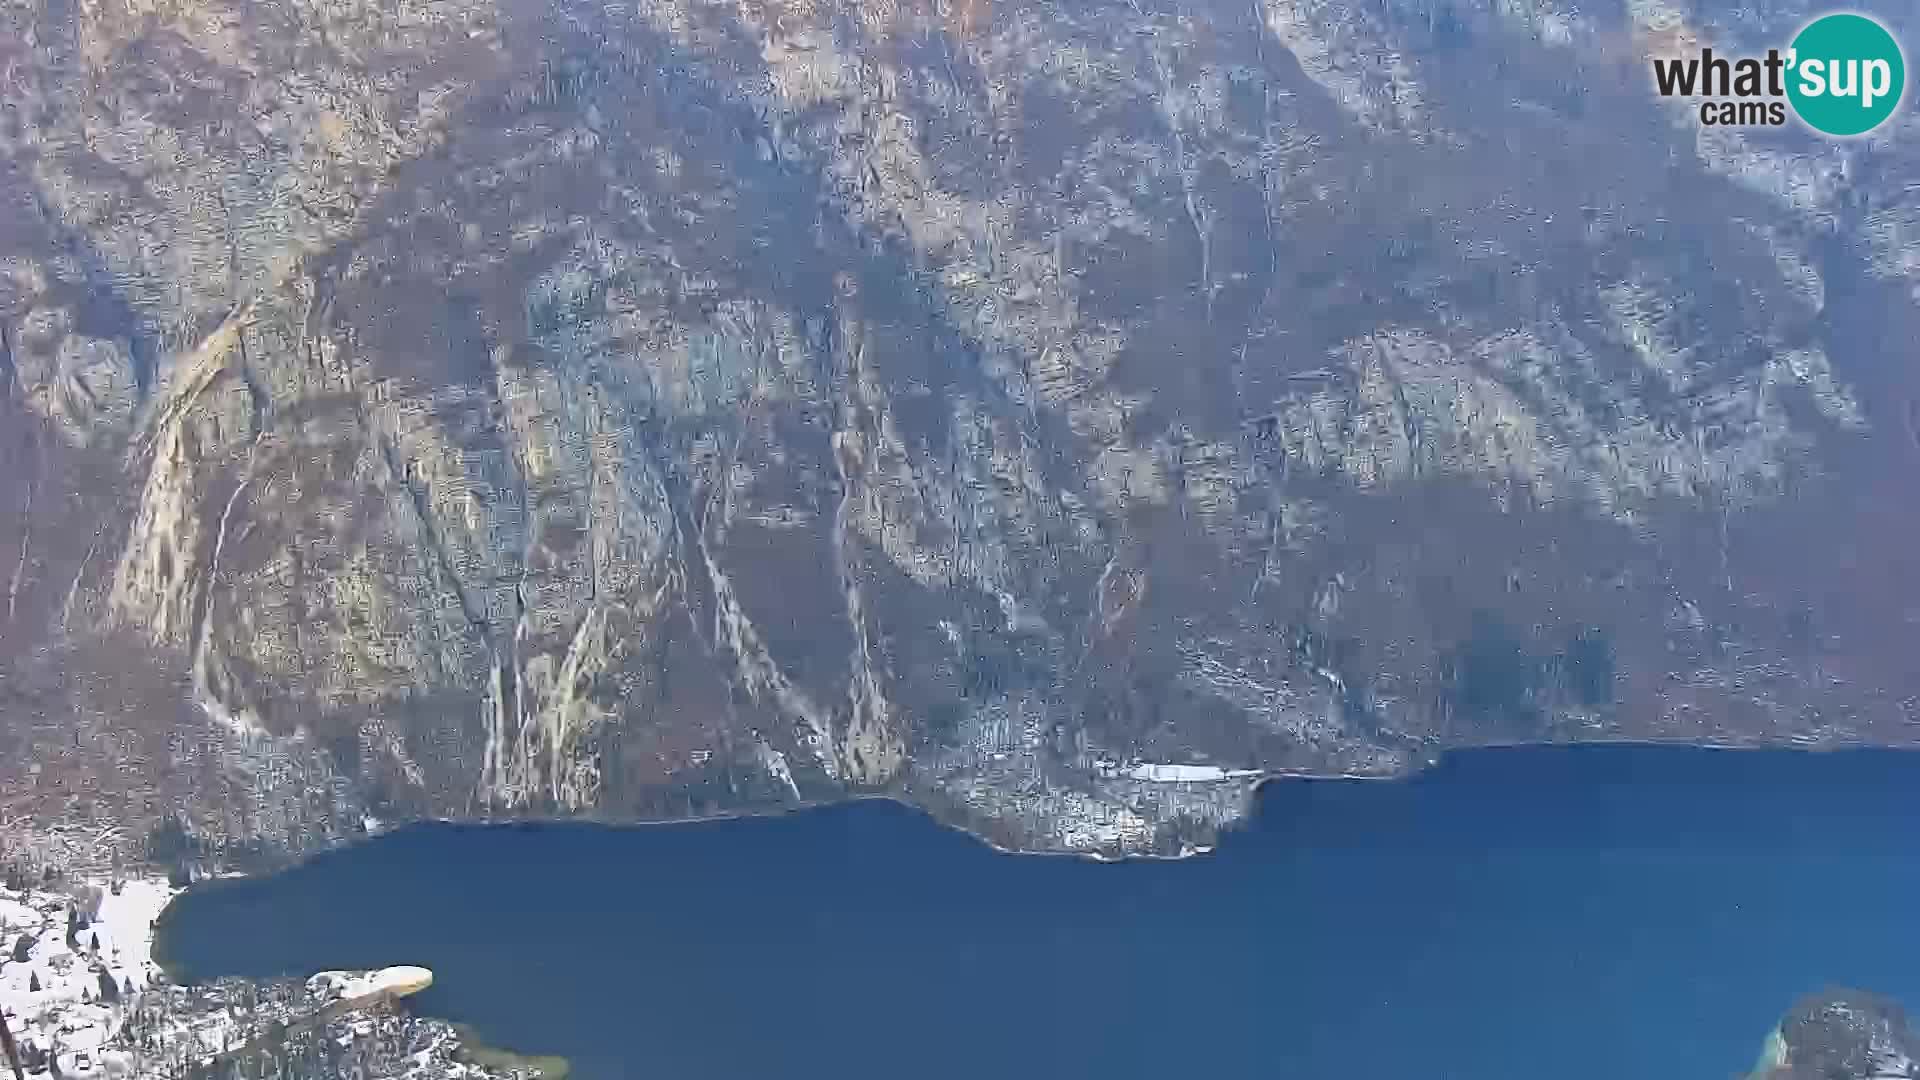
(1593, 913)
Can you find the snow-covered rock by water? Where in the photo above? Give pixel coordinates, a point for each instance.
(1188, 774)
(396, 981)
(57, 1001)
(1842, 1034)
(55, 994)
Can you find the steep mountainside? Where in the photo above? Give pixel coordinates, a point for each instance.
(668, 407)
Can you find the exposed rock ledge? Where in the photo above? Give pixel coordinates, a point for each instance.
(501, 408)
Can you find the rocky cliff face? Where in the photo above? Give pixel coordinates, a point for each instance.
(636, 410)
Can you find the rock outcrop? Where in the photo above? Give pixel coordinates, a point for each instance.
(1842, 1035)
(493, 407)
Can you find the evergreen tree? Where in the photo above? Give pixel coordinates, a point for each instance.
(93, 943)
(22, 947)
(33, 982)
(109, 990)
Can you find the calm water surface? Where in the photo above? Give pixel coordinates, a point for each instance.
(1566, 913)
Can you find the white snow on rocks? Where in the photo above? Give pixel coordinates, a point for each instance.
(56, 995)
(56, 1000)
(397, 981)
(1188, 774)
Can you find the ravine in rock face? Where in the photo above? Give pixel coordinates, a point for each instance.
(497, 408)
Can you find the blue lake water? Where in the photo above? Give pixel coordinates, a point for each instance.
(1592, 913)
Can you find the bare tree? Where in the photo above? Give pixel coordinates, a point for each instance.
(12, 1051)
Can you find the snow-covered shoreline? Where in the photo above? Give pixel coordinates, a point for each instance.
(72, 958)
(86, 991)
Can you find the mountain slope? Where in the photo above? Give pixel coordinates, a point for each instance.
(647, 410)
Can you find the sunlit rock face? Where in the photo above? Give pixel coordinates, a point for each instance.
(1057, 416)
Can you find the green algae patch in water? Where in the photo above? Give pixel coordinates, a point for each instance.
(475, 1051)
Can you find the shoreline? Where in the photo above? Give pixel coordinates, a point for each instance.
(1255, 787)
(1551, 768)
(476, 1050)
(68, 990)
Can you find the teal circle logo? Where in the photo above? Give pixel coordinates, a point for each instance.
(1846, 74)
